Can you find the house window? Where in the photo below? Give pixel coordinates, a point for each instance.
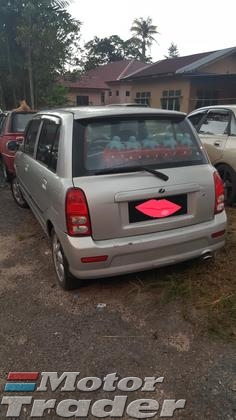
(117, 93)
(143, 98)
(110, 93)
(102, 98)
(127, 93)
(207, 97)
(82, 100)
(171, 99)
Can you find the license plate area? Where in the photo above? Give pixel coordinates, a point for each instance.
(157, 208)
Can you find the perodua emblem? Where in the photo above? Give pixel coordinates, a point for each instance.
(161, 190)
(158, 208)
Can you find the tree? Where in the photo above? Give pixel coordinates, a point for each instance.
(37, 39)
(172, 51)
(101, 51)
(143, 35)
(56, 96)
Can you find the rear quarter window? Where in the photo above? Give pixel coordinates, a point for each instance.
(130, 141)
(47, 150)
(20, 121)
(31, 137)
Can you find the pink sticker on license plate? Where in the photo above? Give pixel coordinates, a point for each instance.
(158, 208)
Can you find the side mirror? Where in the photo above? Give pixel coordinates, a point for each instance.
(13, 145)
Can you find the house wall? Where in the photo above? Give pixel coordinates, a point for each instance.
(225, 88)
(156, 88)
(122, 88)
(226, 65)
(94, 97)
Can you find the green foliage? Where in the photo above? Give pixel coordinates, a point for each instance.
(56, 96)
(38, 38)
(144, 35)
(101, 51)
(172, 51)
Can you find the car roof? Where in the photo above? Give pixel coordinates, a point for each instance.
(103, 111)
(205, 108)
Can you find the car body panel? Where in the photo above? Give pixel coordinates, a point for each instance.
(138, 253)
(120, 189)
(6, 135)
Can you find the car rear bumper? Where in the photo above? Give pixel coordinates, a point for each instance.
(144, 252)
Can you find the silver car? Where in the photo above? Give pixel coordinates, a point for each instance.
(119, 190)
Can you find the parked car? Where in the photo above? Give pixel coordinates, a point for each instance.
(12, 126)
(119, 190)
(129, 104)
(216, 126)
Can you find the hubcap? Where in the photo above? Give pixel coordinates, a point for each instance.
(17, 192)
(58, 259)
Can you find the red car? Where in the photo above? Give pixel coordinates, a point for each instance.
(12, 127)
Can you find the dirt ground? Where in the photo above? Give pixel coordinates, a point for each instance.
(178, 322)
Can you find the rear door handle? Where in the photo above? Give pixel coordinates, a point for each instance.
(217, 143)
(44, 184)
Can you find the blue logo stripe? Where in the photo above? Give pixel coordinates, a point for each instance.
(19, 387)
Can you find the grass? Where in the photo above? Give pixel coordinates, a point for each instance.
(205, 291)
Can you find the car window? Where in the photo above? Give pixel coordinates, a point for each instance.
(130, 141)
(3, 118)
(47, 149)
(233, 126)
(216, 123)
(31, 136)
(196, 118)
(20, 121)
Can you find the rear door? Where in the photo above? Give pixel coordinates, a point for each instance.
(214, 131)
(24, 161)
(45, 165)
(126, 200)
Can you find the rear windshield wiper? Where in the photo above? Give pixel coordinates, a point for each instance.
(120, 169)
(158, 174)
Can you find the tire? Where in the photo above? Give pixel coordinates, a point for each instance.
(64, 278)
(17, 194)
(228, 175)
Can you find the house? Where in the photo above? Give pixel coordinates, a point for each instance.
(187, 83)
(181, 83)
(103, 85)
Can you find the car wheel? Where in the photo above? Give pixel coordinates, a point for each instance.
(17, 194)
(228, 176)
(65, 279)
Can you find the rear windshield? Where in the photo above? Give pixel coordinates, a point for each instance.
(108, 144)
(20, 121)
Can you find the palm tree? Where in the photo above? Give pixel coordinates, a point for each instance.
(143, 31)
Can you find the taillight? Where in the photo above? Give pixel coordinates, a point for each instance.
(77, 213)
(219, 193)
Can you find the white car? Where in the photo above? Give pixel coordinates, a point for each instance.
(216, 126)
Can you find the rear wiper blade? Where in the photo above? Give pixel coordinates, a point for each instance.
(158, 174)
(116, 169)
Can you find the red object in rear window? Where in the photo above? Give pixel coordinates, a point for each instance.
(219, 193)
(77, 213)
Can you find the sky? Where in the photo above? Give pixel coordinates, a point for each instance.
(194, 26)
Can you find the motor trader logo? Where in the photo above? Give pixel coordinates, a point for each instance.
(31, 383)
